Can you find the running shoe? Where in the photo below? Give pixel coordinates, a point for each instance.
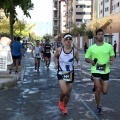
(64, 111)
(99, 110)
(38, 70)
(61, 104)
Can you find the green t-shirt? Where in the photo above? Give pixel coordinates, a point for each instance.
(102, 53)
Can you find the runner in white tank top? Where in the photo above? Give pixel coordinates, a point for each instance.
(36, 53)
(65, 62)
(64, 59)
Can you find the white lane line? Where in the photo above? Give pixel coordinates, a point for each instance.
(88, 79)
(80, 99)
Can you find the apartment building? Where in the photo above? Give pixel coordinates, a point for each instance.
(77, 11)
(95, 8)
(111, 8)
(59, 9)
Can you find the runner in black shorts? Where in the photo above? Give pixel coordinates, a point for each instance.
(47, 53)
(101, 56)
(64, 60)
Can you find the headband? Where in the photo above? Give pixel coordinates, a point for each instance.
(68, 35)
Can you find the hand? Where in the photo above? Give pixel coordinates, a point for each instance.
(5, 41)
(111, 62)
(92, 62)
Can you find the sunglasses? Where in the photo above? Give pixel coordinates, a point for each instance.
(68, 38)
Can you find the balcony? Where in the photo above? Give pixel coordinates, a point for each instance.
(55, 18)
(55, 28)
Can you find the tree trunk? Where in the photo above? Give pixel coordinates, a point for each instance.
(11, 26)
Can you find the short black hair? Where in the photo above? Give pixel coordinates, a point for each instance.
(99, 30)
(59, 38)
(18, 38)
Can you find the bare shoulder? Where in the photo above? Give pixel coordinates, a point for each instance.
(58, 49)
(75, 51)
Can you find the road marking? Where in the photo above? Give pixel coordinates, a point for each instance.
(79, 98)
(88, 79)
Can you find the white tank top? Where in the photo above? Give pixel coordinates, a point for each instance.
(37, 52)
(66, 61)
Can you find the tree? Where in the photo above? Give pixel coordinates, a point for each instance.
(78, 30)
(47, 36)
(89, 34)
(21, 27)
(9, 7)
(99, 23)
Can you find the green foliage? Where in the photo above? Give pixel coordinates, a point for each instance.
(78, 30)
(47, 36)
(4, 26)
(10, 5)
(21, 28)
(89, 34)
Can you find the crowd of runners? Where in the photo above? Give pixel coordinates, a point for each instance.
(100, 55)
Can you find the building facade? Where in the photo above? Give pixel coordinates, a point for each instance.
(111, 8)
(77, 11)
(59, 9)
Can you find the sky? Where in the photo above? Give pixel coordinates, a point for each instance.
(41, 15)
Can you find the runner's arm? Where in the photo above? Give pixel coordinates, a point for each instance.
(32, 51)
(77, 59)
(56, 57)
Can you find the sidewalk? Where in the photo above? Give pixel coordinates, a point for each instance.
(10, 80)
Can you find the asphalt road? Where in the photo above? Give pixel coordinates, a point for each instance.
(37, 94)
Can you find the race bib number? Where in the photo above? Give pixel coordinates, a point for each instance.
(101, 68)
(37, 55)
(47, 51)
(67, 76)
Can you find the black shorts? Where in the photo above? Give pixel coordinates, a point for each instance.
(48, 55)
(104, 77)
(37, 58)
(60, 77)
(16, 57)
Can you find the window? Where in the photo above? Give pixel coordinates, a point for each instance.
(118, 4)
(78, 20)
(80, 6)
(106, 1)
(106, 9)
(80, 13)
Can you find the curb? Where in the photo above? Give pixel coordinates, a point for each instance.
(10, 80)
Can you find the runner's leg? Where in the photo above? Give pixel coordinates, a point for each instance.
(67, 97)
(97, 91)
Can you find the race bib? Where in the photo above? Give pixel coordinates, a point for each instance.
(47, 51)
(67, 76)
(37, 55)
(101, 68)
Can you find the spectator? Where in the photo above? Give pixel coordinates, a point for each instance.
(16, 54)
(85, 47)
(115, 47)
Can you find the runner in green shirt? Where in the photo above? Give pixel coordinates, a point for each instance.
(101, 56)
